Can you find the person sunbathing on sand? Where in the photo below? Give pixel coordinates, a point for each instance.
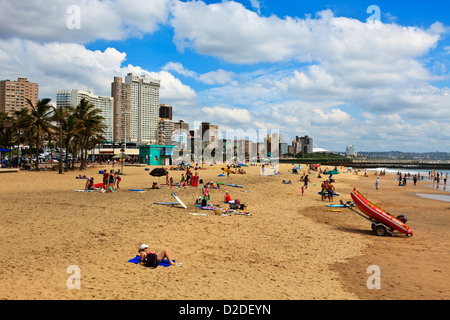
(143, 252)
(89, 184)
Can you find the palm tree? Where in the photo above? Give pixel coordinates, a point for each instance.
(22, 120)
(41, 117)
(6, 130)
(70, 132)
(90, 124)
(60, 116)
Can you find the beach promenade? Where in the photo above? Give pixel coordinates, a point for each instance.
(290, 248)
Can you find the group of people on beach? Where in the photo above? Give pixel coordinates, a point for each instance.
(111, 181)
(327, 190)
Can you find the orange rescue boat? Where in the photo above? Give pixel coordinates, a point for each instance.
(382, 222)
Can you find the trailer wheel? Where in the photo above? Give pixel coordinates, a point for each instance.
(380, 231)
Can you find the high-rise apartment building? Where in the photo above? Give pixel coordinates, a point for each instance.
(350, 151)
(209, 132)
(165, 130)
(105, 104)
(181, 125)
(121, 92)
(165, 111)
(304, 144)
(14, 94)
(144, 108)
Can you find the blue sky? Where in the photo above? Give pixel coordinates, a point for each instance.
(316, 68)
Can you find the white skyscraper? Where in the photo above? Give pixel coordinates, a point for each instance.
(105, 104)
(144, 110)
(350, 151)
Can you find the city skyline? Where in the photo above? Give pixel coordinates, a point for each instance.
(317, 69)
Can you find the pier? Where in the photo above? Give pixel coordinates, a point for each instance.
(360, 163)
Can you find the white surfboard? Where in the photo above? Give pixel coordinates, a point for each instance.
(178, 199)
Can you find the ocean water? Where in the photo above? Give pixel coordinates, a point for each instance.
(425, 173)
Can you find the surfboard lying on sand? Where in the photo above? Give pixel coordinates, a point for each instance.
(178, 199)
(199, 214)
(334, 193)
(168, 203)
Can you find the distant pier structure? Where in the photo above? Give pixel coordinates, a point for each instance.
(360, 163)
(406, 164)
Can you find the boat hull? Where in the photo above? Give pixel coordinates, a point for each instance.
(378, 214)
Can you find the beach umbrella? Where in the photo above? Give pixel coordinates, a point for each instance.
(158, 172)
(296, 168)
(331, 172)
(121, 156)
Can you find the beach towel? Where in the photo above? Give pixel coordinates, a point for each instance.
(137, 260)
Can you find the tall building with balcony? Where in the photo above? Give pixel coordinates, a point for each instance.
(105, 104)
(121, 92)
(144, 108)
(14, 95)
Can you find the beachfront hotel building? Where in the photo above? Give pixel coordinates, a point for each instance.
(121, 92)
(14, 95)
(105, 104)
(144, 108)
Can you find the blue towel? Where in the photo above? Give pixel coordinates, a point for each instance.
(164, 263)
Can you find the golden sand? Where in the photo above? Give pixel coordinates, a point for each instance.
(290, 248)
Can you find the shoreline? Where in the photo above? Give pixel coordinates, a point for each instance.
(232, 257)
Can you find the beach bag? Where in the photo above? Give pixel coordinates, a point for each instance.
(151, 260)
(234, 206)
(242, 207)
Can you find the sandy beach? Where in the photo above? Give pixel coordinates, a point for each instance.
(290, 248)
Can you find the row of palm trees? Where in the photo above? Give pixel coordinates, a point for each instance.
(77, 129)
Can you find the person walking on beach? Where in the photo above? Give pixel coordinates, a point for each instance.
(377, 183)
(306, 181)
(415, 179)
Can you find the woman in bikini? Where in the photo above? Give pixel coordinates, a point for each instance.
(143, 252)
